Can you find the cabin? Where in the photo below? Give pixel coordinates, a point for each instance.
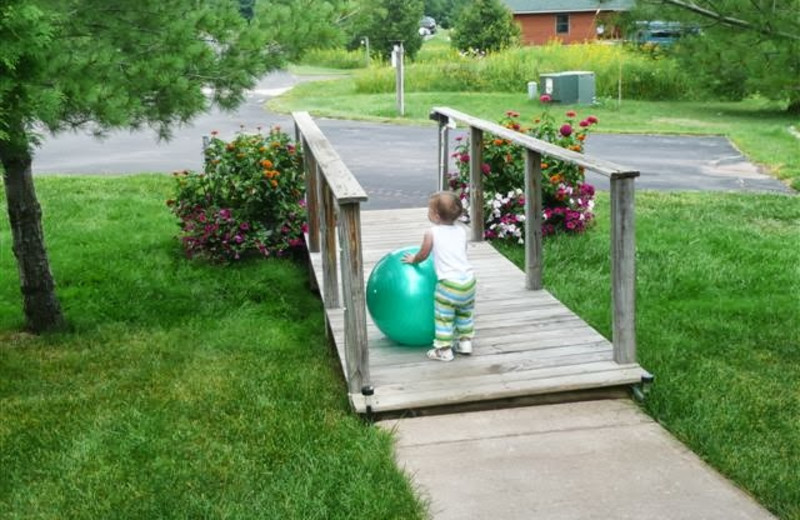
(568, 21)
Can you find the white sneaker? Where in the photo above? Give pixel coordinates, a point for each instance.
(464, 347)
(441, 354)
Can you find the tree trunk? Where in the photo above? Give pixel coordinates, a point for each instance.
(794, 106)
(40, 304)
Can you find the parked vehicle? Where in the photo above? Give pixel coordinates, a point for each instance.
(428, 24)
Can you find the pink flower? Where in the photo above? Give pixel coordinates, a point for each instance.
(584, 123)
(244, 226)
(571, 113)
(239, 239)
(486, 169)
(545, 98)
(464, 157)
(225, 214)
(566, 130)
(592, 119)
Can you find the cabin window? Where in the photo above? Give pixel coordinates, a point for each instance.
(562, 24)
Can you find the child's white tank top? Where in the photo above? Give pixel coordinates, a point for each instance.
(450, 253)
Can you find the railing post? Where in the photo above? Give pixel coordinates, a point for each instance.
(623, 268)
(476, 183)
(533, 220)
(443, 153)
(312, 199)
(355, 313)
(330, 278)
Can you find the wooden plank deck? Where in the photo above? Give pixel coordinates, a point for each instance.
(527, 343)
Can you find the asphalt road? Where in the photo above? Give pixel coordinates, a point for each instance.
(397, 164)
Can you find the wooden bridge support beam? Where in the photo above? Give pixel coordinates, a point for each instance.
(623, 268)
(476, 183)
(533, 220)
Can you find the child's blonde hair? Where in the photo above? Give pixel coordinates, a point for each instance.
(447, 205)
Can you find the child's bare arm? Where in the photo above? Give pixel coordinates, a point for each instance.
(424, 250)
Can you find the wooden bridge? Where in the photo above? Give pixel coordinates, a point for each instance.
(528, 346)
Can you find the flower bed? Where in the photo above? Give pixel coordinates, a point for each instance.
(248, 199)
(567, 200)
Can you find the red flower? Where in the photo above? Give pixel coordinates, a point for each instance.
(592, 119)
(566, 130)
(545, 98)
(584, 123)
(571, 113)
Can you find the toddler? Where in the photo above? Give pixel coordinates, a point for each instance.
(454, 297)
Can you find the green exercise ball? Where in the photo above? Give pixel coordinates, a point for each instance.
(400, 298)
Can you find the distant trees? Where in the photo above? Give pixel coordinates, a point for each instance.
(742, 47)
(444, 11)
(485, 25)
(387, 21)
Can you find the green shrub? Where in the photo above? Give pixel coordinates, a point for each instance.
(248, 199)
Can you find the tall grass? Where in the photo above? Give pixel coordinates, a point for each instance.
(643, 76)
(335, 58)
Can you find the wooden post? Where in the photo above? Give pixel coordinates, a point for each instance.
(400, 79)
(330, 278)
(476, 183)
(443, 154)
(623, 269)
(533, 220)
(312, 198)
(355, 314)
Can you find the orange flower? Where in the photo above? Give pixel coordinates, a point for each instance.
(581, 137)
(275, 144)
(575, 148)
(555, 179)
(545, 165)
(266, 163)
(274, 183)
(499, 142)
(230, 146)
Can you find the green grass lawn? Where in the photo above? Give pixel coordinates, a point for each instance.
(189, 390)
(182, 389)
(718, 323)
(757, 127)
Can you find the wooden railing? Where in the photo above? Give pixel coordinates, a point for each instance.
(622, 213)
(333, 202)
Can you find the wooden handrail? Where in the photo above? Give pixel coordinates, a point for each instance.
(333, 203)
(343, 184)
(600, 166)
(623, 248)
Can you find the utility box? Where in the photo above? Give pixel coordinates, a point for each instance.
(570, 87)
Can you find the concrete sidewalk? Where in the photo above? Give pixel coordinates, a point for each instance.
(601, 459)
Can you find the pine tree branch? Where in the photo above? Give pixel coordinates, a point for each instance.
(730, 21)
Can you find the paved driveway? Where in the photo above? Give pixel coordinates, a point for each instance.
(397, 164)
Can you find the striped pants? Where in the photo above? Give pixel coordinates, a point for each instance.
(453, 305)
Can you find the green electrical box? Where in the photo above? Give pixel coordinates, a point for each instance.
(570, 87)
